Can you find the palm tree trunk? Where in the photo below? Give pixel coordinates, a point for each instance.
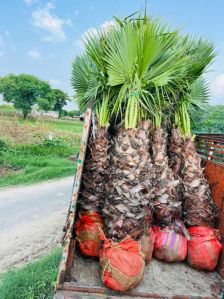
(127, 209)
(175, 153)
(95, 174)
(199, 208)
(176, 161)
(167, 203)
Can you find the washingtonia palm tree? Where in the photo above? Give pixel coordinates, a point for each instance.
(199, 208)
(199, 54)
(167, 203)
(137, 71)
(89, 79)
(142, 65)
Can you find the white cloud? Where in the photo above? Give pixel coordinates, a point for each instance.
(55, 82)
(217, 90)
(93, 31)
(218, 85)
(1, 54)
(34, 54)
(42, 18)
(76, 12)
(108, 25)
(79, 43)
(29, 2)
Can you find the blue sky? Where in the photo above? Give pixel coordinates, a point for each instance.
(42, 37)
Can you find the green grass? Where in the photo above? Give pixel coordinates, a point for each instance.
(32, 169)
(36, 162)
(74, 126)
(31, 155)
(33, 281)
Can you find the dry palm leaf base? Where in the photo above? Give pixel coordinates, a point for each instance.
(199, 208)
(95, 173)
(167, 202)
(127, 209)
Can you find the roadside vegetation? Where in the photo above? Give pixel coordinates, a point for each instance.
(34, 280)
(33, 150)
(25, 91)
(209, 121)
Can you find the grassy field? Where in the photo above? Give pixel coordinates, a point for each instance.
(33, 150)
(33, 281)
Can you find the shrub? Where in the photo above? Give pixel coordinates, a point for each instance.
(3, 145)
(7, 107)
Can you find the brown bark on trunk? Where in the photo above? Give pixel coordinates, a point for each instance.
(175, 153)
(127, 208)
(167, 202)
(199, 208)
(176, 161)
(95, 174)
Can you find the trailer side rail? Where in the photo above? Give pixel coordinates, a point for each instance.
(68, 239)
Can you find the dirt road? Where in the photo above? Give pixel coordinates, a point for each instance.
(31, 220)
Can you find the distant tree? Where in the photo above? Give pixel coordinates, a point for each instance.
(45, 103)
(23, 91)
(209, 121)
(60, 99)
(64, 113)
(73, 113)
(54, 100)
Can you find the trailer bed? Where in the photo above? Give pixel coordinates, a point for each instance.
(160, 279)
(79, 277)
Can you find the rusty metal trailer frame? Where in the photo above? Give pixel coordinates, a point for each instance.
(214, 171)
(68, 239)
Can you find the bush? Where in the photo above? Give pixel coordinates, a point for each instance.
(64, 113)
(7, 107)
(3, 146)
(73, 113)
(56, 147)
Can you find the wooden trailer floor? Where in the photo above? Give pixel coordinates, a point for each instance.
(160, 280)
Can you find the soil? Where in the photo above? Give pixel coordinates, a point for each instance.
(31, 220)
(30, 242)
(7, 169)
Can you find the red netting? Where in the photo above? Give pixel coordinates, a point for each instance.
(203, 248)
(87, 232)
(122, 264)
(169, 246)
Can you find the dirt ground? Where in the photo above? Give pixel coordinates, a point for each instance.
(31, 220)
(29, 242)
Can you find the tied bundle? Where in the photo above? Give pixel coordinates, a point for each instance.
(122, 264)
(88, 234)
(203, 248)
(170, 246)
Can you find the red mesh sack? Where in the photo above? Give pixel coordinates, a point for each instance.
(122, 264)
(169, 246)
(203, 248)
(147, 245)
(88, 234)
